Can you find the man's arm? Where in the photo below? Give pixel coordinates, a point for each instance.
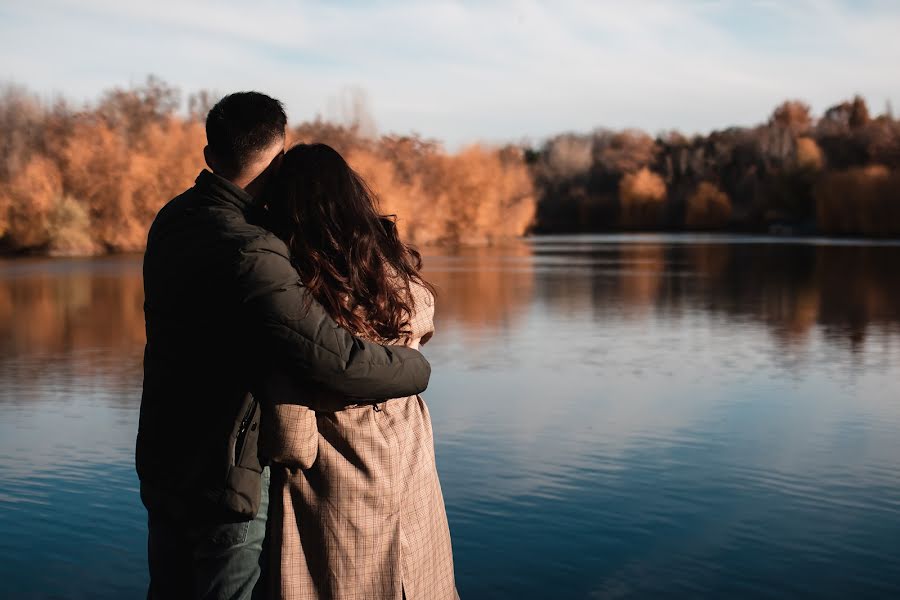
(294, 328)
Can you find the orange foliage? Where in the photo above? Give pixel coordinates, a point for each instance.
(793, 115)
(625, 151)
(642, 196)
(707, 208)
(92, 181)
(767, 172)
(123, 182)
(809, 155)
(28, 202)
(473, 197)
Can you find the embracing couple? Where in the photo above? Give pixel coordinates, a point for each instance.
(283, 449)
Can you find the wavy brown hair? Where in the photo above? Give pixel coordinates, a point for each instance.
(348, 254)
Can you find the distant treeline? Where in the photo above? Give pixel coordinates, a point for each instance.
(836, 175)
(89, 179)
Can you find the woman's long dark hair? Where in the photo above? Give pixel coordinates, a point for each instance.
(349, 256)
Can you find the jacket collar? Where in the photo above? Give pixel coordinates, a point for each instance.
(222, 189)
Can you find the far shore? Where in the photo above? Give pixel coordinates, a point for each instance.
(626, 237)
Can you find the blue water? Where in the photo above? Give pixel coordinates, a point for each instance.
(615, 416)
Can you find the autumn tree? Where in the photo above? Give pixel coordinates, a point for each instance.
(793, 115)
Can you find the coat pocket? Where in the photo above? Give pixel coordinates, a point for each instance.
(241, 493)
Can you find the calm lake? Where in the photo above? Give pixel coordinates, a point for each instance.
(615, 416)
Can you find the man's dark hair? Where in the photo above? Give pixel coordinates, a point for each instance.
(242, 125)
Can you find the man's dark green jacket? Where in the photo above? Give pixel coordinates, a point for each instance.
(223, 304)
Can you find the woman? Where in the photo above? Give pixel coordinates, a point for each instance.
(356, 509)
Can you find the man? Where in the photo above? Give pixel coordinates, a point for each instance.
(222, 301)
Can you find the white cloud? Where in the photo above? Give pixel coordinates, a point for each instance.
(461, 71)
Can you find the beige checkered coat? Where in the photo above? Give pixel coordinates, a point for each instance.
(356, 510)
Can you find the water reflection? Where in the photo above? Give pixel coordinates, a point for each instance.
(791, 288)
(482, 289)
(70, 305)
(615, 416)
(843, 289)
(69, 321)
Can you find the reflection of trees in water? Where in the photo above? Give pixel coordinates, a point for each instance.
(770, 283)
(76, 322)
(643, 268)
(859, 286)
(483, 287)
(791, 288)
(57, 313)
(85, 318)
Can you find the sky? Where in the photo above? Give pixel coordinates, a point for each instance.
(463, 72)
